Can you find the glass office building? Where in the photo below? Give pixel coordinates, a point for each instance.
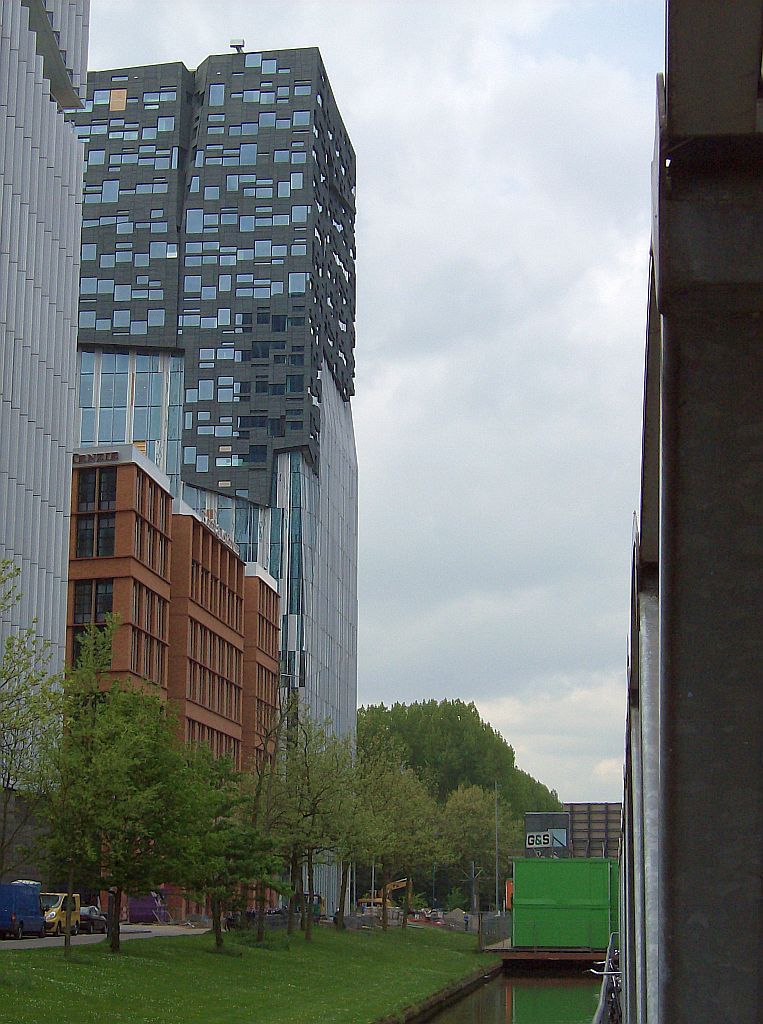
(216, 322)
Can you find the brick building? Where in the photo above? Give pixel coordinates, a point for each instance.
(119, 559)
(193, 618)
(207, 634)
(261, 665)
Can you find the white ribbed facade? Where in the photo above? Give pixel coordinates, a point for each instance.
(40, 190)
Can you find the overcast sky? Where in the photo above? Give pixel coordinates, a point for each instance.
(503, 157)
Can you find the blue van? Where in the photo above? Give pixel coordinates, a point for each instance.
(20, 910)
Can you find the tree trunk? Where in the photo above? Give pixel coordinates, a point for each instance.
(408, 898)
(345, 878)
(293, 897)
(217, 923)
(114, 934)
(301, 898)
(5, 830)
(385, 894)
(68, 912)
(260, 911)
(309, 900)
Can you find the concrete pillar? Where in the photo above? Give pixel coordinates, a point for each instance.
(710, 295)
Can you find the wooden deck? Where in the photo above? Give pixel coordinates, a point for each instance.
(510, 954)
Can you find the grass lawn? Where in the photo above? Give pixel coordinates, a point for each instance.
(352, 977)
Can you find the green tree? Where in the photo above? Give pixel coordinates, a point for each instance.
(263, 807)
(118, 812)
(225, 851)
(448, 745)
(73, 839)
(30, 725)
(354, 837)
(312, 779)
(399, 827)
(143, 786)
(378, 766)
(411, 838)
(456, 900)
(468, 835)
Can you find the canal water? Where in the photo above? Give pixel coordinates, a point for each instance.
(511, 1000)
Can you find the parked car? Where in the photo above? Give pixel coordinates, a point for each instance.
(20, 910)
(92, 920)
(54, 905)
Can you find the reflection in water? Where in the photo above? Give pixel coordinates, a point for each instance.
(569, 1000)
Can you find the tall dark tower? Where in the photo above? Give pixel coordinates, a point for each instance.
(216, 328)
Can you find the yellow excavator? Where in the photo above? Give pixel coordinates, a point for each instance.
(377, 900)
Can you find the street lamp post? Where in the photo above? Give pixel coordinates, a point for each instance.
(497, 890)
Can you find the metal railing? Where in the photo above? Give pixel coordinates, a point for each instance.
(609, 1010)
(493, 928)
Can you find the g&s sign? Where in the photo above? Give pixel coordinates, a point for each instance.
(551, 838)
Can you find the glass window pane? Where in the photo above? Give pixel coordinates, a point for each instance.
(297, 284)
(83, 601)
(104, 425)
(105, 535)
(107, 489)
(140, 425)
(194, 221)
(85, 533)
(87, 430)
(119, 425)
(103, 599)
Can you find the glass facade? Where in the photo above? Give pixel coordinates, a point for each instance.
(133, 397)
(314, 541)
(240, 518)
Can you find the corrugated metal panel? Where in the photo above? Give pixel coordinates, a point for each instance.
(596, 828)
(561, 904)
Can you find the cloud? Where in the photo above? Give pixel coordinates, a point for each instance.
(503, 229)
(610, 771)
(559, 729)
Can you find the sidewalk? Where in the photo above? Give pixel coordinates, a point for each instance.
(128, 930)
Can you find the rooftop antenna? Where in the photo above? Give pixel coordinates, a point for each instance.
(237, 45)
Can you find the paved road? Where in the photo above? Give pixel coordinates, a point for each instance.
(127, 931)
